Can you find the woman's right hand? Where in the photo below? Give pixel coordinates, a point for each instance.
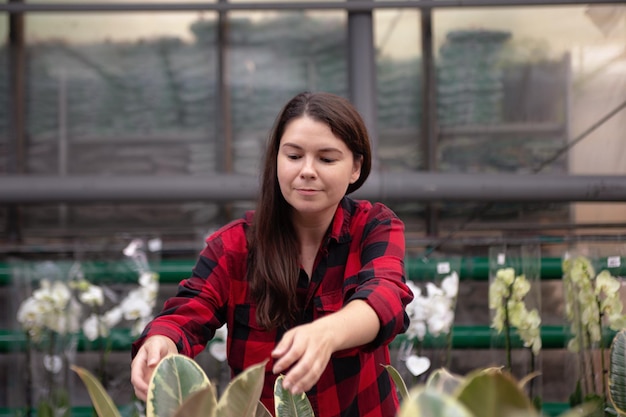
(149, 355)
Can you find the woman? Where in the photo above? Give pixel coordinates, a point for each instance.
(312, 280)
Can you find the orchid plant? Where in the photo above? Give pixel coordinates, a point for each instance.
(507, 294)
(592, 301)
(50, 320)
(431, 312)
(66, 303)
(104, 308)
(507, 302)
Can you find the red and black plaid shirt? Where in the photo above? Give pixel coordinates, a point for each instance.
(362, 257)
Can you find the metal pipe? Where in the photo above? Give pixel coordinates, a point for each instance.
(362, 73)
(408, 186)
(16, 105)
(463, 337)
(172, 271)
(356, 6)
(429, 139)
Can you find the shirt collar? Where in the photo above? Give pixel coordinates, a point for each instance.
(340, 229)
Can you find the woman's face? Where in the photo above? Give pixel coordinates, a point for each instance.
(314, 168)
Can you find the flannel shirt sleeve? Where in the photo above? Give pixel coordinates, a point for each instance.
(191, 317)
(382, 281)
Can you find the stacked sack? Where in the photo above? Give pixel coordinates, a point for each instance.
(470, 88)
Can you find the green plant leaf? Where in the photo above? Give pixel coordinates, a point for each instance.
(289, 405)
(174, 379)
(442, 380)
(583, 410)
(617, 373)
(241, 396)
(495, 394)
(397, 379)
(262, 411)
(427, 402)
(102, 402)
(201, 403)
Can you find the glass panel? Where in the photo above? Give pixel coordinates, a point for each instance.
(516, 87)
(269, 62)
(398, 61)
(533, 71)
(136, 101)
(145, 101)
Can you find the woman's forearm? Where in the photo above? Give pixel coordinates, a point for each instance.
(356, 324)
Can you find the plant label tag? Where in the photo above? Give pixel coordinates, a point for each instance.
(613, 261)
(443, 268)
(501, 259)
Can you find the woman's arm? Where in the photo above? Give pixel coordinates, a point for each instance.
(308, 348)
(148, 357)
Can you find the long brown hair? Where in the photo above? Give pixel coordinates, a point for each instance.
(273, 264)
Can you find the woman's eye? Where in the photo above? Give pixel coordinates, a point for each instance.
(293, 156)
(327, 160)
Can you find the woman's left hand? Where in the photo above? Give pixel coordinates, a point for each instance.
(305, 350)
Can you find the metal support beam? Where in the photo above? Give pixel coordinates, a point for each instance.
(429, 139)
(410, 186)
(362, 73)
(355, 5)
(16, 105)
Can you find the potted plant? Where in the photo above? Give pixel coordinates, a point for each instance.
(179, 387)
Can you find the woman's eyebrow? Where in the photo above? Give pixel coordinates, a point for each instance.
(320, 150)
(290, 145)
(330, 150)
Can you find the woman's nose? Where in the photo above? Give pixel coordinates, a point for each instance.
(308, 168)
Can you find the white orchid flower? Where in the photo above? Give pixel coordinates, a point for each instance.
(112, 317)
(131, 249)
(217, 348)
(56, 294)
(92, 296)
(507, 295)
(135, 307)
(505, 275)
(148, 279)
(417, 330)
(139, 325)
(438, 324)
(31, 313)
(450, 285)
(94, 327)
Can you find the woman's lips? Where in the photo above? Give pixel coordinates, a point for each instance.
(306, 191)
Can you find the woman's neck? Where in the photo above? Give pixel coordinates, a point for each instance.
(311, 230)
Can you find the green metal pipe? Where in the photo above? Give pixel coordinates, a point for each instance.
(463, 337)
(173, 271)
(473, 268)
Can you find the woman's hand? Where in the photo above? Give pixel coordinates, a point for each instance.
(149, 355)
(305, 350)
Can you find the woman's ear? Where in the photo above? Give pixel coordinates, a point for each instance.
(356, 168)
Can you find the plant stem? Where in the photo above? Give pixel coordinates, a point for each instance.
(49, 375)
(105, 349)
(592, 373)
(448, 348)
(602, 363)
(29, 376)
(507, 335)
(531, 383)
